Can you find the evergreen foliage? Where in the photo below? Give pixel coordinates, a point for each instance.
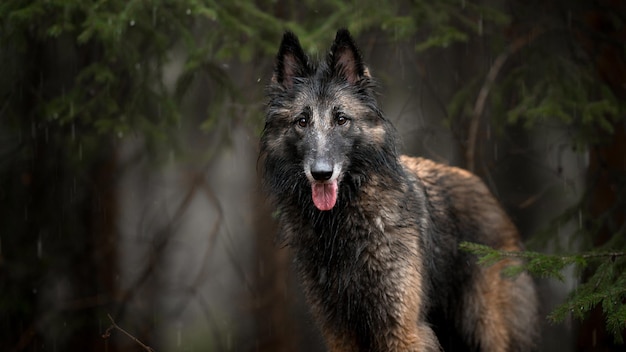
(606, 287)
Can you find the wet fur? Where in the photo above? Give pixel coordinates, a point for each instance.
(381, 270)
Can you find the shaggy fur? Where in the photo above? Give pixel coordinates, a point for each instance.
(375, 235)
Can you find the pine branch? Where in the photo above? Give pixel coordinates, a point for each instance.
(605, 287)
(612, 301)
(543, 265)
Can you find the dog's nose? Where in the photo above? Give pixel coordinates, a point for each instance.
(322, 171)
(321, 175)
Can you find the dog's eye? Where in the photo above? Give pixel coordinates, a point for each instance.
(303, 121)
(341, 120)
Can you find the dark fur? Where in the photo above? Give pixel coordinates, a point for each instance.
(381, 269)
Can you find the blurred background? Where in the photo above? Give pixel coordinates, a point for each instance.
(131, 216)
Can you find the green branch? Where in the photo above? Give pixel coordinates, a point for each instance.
(605, 287)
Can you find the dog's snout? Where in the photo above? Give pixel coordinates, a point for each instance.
(322, 171)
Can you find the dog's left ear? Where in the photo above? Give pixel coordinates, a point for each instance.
(291, 62)
(345, 58)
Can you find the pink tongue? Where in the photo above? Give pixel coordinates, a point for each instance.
(324, 195)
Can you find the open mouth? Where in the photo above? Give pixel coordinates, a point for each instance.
(324, 194)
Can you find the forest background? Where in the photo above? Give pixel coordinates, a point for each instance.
(131, 216)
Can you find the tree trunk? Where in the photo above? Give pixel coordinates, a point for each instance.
(607, 163)
(274, 302)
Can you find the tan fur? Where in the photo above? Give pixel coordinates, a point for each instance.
(382, 269)
(499, 304)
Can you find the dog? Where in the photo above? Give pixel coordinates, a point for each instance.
(375, 235)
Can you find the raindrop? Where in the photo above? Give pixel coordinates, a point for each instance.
(463, 4)
(580, 219)
(80, 151)
(55, 115)
(132, 22)
(120, 134)
(39, 247)
(188, 12)
(495, 151)
(34, 291)
(480, 25)
(178, 335)
(73, 132)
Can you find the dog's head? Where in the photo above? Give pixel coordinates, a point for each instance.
(321, 118)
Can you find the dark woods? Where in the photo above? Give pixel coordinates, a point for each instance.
(128, 159)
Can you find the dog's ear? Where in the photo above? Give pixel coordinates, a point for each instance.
(291, 62)
(345, 59)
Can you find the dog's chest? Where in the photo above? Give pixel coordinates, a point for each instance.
(356, 254)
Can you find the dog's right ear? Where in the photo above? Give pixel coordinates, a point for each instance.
(345, 58)
(291, 62)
